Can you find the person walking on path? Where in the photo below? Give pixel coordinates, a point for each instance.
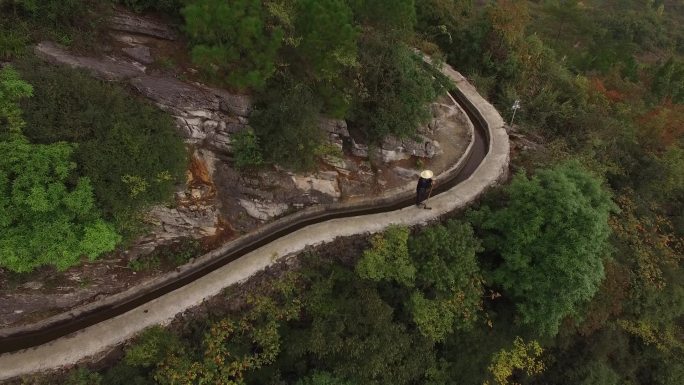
(424, 188)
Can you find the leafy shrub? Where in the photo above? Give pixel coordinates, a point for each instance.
(175, 254)
(170, 7)
(146, 263)
(388, 258)
(246, 150)
(286, 123)
(47, 215)
(396, 90)
(552, 235)
(153, 345)
(390, 15)
(185, 251)
(83, 376)
(232, 41)
(128, 149)
(326, 55)
(48, 12)
(13, 42)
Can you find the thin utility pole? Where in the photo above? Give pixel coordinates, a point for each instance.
(515, 108)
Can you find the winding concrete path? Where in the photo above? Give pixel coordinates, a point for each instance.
(106, 334)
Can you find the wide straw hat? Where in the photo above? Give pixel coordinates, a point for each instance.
(427, 174)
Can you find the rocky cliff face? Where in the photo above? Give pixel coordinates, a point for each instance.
(207, 117)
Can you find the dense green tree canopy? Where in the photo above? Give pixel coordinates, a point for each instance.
(354, 335)
(388, 258)
(232, 40)
(286, 124)
(326, 50)
(395, 89)
(439, 268)
(448, 278)
(47, 217)
(44, 218)
(552, 235)
(128, 149)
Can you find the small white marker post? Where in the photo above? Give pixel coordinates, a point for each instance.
(515, 108)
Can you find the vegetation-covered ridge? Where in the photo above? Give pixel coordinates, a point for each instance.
(301, 59)
(399, 305)
(572, 274)
(81, 161)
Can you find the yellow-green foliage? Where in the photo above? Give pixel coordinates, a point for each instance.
(388, 258)
(233, 41)
(230, 348)
(523, 356)
(128, 149)
(47, 215)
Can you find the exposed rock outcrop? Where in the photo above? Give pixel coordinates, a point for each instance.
(105, 68)
(207, 118)
(203, 114)
(132, 23)
(263, 210)
(139, 53)
(324, 182)
(394, 149)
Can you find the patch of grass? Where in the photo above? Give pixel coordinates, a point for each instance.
(77, 23)
(13, 42)
(175, 254)
(165, 63)
(146, 263)
(185, 251)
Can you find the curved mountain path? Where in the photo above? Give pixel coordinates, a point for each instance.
(96, 338)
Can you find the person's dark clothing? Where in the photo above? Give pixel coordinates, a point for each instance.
(423, 189)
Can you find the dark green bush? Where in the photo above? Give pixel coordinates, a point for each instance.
(395, 92)
(233, 42)
(127, 148)
(59, 13)
(169, 7)
(70, 22)
(286, 123)
(246, 150)
(13, 42)
(83, 376)
(123, 374)
(47, 214)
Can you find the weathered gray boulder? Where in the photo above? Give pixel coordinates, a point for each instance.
(336, 130)
(395, 149)
(334, 126)
(104, 68)
(324, 182)
(236, 104)
(263, 210)
(172, 92)
(195, 221)
(139, 53)
(132, 23)
(358, 149)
